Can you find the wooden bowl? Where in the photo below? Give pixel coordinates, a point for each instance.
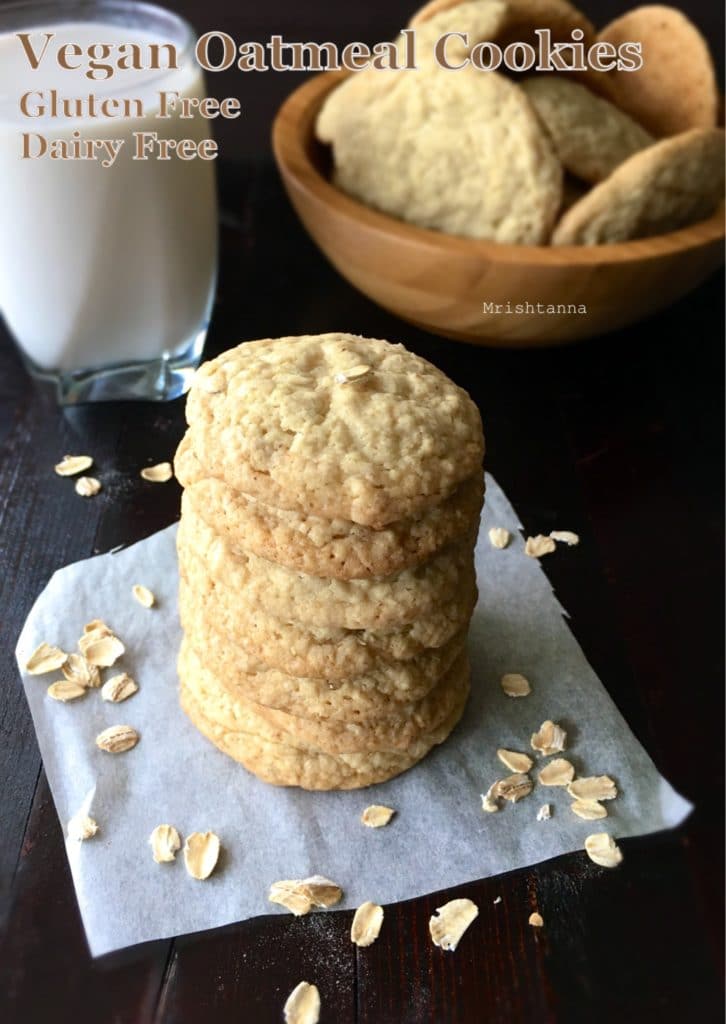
(441, 282)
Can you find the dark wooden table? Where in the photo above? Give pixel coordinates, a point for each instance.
(620, 439)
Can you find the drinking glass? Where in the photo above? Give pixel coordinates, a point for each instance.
(107, 273)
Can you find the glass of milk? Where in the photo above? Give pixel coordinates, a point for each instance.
(108, 252)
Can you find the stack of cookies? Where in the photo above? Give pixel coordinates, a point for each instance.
(333, 488)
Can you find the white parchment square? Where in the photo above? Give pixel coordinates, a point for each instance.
(440, 837)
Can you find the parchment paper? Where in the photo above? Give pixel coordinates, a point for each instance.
(440, 837)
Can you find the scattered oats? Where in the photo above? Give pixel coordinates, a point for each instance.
(489, 800)
(303, 1005)
(158, 474)
(77, 670)
(143, 595)
(45, 658)
(590, 810)
(97, 626)
(515, 685)
(201, 852)
(536, 920)
(87, 486)
(596, 787)
(499, 537)
(557, 773)
(537, 546)
(64, 690)
(544, 813)
(497, 900)
(355, 373)
(119, 688)
(366, 925)
(452, 921)
(603, 850)
(289, 895)
(300, 895)
(100, 649)
(81, 827)
(377, 815)
(514, 787)
(550, 739)
(514, 761)
(565, 537)
(322, 892)
(70, 465)
(165, 842)
(117, 739)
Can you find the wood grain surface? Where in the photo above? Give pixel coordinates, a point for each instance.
(619, 438)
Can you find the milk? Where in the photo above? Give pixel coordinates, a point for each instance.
(99, 264)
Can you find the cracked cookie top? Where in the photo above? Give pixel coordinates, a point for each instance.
(335, 425)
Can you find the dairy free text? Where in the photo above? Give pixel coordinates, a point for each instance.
(218, 51)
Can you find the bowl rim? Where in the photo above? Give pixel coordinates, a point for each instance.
(294, 124)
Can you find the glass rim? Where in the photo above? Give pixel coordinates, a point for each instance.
(59, 10)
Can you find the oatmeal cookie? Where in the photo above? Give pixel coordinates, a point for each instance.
(282, 421)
